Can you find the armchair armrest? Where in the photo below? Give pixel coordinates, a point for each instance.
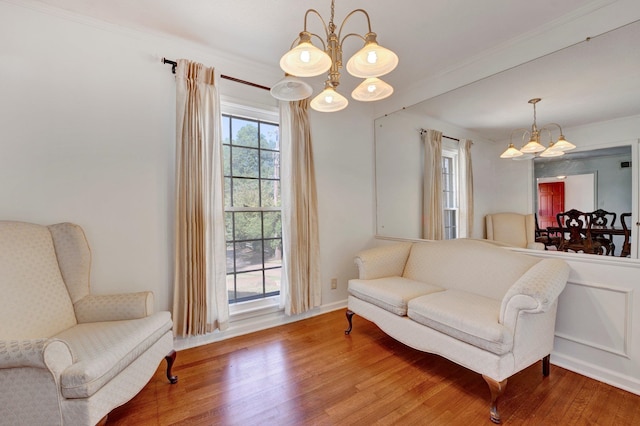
(114, 307)
(384, 261)
(52, 354)
(536, 291)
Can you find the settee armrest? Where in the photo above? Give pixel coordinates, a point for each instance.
(536, 291)
(52, 354)
(383, 261)
(535, 246)
(114, 307)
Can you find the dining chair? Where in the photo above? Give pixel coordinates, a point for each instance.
(577, 225)
(604, 219)
(543, 236)
(626, 247)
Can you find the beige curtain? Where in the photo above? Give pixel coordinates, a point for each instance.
(432, 215)
(200, 301)
(466, 189)
(300, 289)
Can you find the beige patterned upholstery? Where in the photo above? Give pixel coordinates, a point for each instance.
(483, 306)
(514, 229)
(66, 356)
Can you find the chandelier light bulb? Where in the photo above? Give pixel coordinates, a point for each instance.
(305, 60)
(372, 60)
(372, 89)
(329, 100)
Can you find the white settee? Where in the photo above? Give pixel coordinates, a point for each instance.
(68, 357)
(482, 306)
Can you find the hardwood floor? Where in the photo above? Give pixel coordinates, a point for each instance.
(310, 373)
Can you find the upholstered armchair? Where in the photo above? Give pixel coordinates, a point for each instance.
(68, 357)
(513, 229)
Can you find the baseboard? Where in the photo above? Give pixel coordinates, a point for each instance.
(254, 323)
(596, 372)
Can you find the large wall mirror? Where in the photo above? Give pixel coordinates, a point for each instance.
(592, 89)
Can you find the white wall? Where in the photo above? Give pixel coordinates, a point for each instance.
(87, 121)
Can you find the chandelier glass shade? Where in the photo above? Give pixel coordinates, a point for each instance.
(306, 60)
(533, 146)
(291, 88)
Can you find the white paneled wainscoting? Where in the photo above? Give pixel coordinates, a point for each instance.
(597, 327)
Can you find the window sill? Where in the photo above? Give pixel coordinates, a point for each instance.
(244, 310)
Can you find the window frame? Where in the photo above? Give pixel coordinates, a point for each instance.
(450, 153)
(258, 115)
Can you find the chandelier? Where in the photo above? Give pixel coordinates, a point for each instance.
(534, 147)
(307, 60)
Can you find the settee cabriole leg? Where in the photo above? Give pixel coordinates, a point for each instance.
(497, 389)
(545, 365)
(171, 357)
(350, 315)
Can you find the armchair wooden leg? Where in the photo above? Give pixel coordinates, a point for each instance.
(350, 315)
(171, 358)
(497, 389)
(545, 365)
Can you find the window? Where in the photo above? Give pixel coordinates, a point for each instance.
(450, 193)
(252, 207)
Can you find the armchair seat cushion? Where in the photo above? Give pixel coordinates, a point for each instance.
(102, 350)
(390, 293)
(465, 316)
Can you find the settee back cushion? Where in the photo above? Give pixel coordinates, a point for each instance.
(35, 301)
(74, 258)
(469, 265)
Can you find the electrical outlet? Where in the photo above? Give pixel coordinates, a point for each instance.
(334, 283)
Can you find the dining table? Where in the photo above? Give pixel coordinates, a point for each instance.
(600, 230)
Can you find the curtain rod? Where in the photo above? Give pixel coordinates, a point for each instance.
(444, 136)
(174, 64)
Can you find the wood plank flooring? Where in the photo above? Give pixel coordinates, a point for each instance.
(310, 373)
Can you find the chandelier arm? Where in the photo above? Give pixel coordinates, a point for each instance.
(349, 16)
(513, 132)
(350, 35)
(553, 124)
(324, 24)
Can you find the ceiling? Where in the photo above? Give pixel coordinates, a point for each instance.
(431, 37)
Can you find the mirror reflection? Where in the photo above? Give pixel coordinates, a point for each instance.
(591, 88)
(597, 180)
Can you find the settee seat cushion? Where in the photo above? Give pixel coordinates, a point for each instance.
(391, 293)
(468, 317)
(102, 350)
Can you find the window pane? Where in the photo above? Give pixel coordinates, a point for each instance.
(269, 136)
(244, 132)
(273, 277)
(244, 162)
(248, 255)
(272, 225)
(228, 225)
(248, 226)
(272, 253)
(271, 193)
(246, 192)
(269, 165)
(231, 287)
(249, 284)
(226, 160)
(226, 129)
(227, 192)
(230, 258)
